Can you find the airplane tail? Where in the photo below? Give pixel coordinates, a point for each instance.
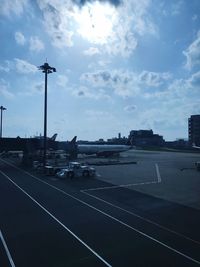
(73, 141)
(53, 138)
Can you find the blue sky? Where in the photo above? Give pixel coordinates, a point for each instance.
(121, 65)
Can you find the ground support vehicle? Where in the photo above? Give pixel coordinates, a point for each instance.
(76, 169)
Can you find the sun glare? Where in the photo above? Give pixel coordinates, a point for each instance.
(95, 22)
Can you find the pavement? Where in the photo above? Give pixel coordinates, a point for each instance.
(145, 214)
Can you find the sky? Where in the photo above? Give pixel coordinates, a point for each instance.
(121, 65)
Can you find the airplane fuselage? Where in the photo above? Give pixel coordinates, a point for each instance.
(102, 150)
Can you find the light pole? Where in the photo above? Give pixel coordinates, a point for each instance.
(1, 108)
(46, 69)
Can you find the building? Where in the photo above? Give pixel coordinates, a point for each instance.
(194, 130)
(146, 138)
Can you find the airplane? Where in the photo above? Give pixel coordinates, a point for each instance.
(194, 146)
(53, 138)
(103, 150)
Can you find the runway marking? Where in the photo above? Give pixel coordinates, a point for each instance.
(58, 221)
(102, 212)
(7, 250)
(141, 217)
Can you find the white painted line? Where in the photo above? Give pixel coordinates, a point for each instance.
(52, 216)
(118, 186)
(7, 250)
(107, 215)
(158, 173)
(141, 217)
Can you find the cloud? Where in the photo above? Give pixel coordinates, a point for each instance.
(9, 7)
(154, 79)
(85, 92)
(130, 108)
(176, 8)
(36, 44)
(19, 38)
(83, 2)
(122, 82)
(192, 53)
(91, 51)
(4, 89)
(23, 66)
(127, 20)
(62, 80)
(194, 17)
(35, 88)
(97, 114)
(195, 80)
(125, 83)
(6, 67)
(57, 16)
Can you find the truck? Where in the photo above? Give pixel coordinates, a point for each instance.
(76, 169)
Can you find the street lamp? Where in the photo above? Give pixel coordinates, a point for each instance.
(1, 108)
(46, 69)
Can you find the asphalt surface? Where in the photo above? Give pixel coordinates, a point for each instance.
(99, 222)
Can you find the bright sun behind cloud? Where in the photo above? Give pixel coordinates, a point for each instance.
(95, 22)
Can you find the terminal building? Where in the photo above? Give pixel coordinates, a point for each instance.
(146, 138)
(194, 130)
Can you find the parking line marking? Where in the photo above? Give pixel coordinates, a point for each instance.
(129, 185)
(109, 216)
(158, 173)
(58, 221)
(119, 186)
(7, 250)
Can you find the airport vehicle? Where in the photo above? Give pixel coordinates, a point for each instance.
(76, 169)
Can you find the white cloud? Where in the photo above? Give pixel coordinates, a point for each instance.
(125, 83)
(36, 44)
(129, 20)
(57, 16)
(85, 92)
(91, 51)
(154, 79)
(62, 80)
(176, 8)
(194, 17)
(130, 108)
(192, 53)
(34, 88)
(12, 6)
(19, 38)
(97, 113)
(4, 89)
(23, 66)
(194, 80)
(6, 67)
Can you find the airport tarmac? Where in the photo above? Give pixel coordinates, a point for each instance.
(144, 214)
(167, 175)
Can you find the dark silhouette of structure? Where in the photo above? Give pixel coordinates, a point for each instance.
(194, 130)
(1, 129)
(146, 138)
(46, 69)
